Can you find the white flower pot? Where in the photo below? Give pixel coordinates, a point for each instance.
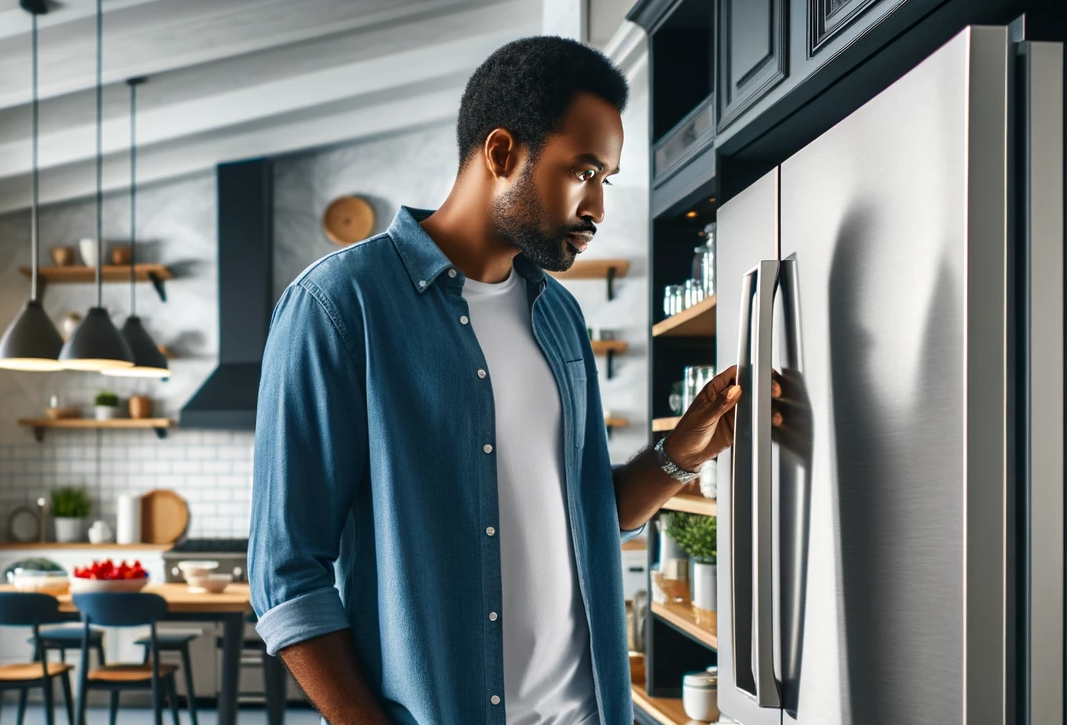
(107, 412)
(69, 530)
(704, 586)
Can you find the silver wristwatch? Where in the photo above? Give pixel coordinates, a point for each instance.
(671, 468)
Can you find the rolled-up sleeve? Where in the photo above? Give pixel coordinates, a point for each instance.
(310, 459)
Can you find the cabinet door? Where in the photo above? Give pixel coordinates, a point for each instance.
(827, 18)
(752, 53)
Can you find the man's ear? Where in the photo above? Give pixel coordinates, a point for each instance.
(501, 153)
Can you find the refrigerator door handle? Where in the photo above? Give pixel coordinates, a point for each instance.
(767, 694)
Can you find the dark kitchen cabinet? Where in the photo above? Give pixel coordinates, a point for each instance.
(752, 53)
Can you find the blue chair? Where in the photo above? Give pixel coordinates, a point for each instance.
(25, 609)
(125, 610)
(177, 642)
(62, 639)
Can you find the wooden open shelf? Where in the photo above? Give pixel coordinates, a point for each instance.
(594, 269)
(82, 546)
(603, 347)
(691, 503)
(638, 544)
(681, 617)
(111, 273)
(697, 321)
(664, 425)
(664, 710)
(39, 425)
(617, 422)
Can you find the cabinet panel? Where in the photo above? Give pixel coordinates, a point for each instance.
(827, 18)
(752, 53)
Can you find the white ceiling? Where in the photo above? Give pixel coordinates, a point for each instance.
(232, 79)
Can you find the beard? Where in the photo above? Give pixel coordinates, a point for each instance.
(520, 218)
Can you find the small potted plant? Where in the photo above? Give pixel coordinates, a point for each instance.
(107, 405)
(70, 507)
(696, 535)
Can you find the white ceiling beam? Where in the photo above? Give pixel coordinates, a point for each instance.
(201, 155)
(246, 105)
(149, 38)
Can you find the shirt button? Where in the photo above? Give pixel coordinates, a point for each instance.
(492, 616)
(495, 699)
(487, 448)
(481, 374)
(489, 530)
(451, 273)
(463, 320)
(422, 283)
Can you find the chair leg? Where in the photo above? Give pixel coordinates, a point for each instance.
(49, 702)
(79, 703)
(157, 701)
(22, 705)
(172, 696)
(65, 681)
(274, 682)
(189, 693)
(113, 711)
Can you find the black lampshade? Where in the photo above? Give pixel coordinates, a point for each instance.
(31, 341)
(148, 361)
(96, 345)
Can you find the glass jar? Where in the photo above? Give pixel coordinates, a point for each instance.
(694, 380)
(673, 299)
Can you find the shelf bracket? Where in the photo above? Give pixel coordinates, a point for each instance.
(161, 433)
(609, 432)
(38, 432)
(611, 363)
(611, 283)
(157, 282)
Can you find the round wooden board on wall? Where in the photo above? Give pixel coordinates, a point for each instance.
(347, 220)
(164, 516)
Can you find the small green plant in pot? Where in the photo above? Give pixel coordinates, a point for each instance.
(107, 405)
(70, 507)
(696, 535)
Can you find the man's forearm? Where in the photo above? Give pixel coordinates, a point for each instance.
(641, 489)
(329, 673)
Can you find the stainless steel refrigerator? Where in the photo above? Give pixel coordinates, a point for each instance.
(893, 551)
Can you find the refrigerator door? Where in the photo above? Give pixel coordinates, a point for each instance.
(748, 240)
(893, 469)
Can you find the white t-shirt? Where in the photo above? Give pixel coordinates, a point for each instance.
(548, 674)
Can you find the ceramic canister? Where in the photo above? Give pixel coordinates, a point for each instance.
(700, 696)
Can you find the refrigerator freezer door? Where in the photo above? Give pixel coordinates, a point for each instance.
(748, 235)
(893, 501)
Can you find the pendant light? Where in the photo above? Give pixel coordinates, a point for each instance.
(148, 361)
(31, 341)
(96, 343)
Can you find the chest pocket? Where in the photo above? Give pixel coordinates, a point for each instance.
(576, 381)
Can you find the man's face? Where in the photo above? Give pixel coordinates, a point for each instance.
(551, 210)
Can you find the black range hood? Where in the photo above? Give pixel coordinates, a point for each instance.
(227, 400)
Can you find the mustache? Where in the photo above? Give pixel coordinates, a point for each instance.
(587, 227)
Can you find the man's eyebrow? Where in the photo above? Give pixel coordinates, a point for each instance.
(594, 160)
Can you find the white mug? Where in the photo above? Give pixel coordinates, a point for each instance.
(99, 532)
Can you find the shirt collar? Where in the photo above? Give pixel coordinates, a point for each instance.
(424, 260)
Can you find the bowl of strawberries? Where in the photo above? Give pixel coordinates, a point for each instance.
(106, 576)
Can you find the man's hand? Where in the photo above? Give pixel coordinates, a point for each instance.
(707, 428)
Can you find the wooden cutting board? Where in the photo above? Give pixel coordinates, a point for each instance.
(164, 516)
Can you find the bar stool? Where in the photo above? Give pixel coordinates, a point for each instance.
(25, 609)
(177, 642)
(125, 610)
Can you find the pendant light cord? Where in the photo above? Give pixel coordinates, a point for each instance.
(133, 199)
(99, 151)
(34, 216)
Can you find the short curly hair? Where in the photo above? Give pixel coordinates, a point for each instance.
(526, 87)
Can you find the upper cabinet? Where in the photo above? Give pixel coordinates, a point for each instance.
(752, 53)
(828, 18)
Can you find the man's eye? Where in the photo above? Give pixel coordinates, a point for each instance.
(585, 175)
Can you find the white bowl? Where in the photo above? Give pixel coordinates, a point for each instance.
(209, 583)
(93, 586)
(41, 582)
(195, 568)
(88, 250)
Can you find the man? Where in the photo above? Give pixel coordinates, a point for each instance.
(436, 523)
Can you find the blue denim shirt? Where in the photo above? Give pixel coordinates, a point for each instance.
(374, 504)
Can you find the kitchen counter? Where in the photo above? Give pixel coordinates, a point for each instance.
(82, 546)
